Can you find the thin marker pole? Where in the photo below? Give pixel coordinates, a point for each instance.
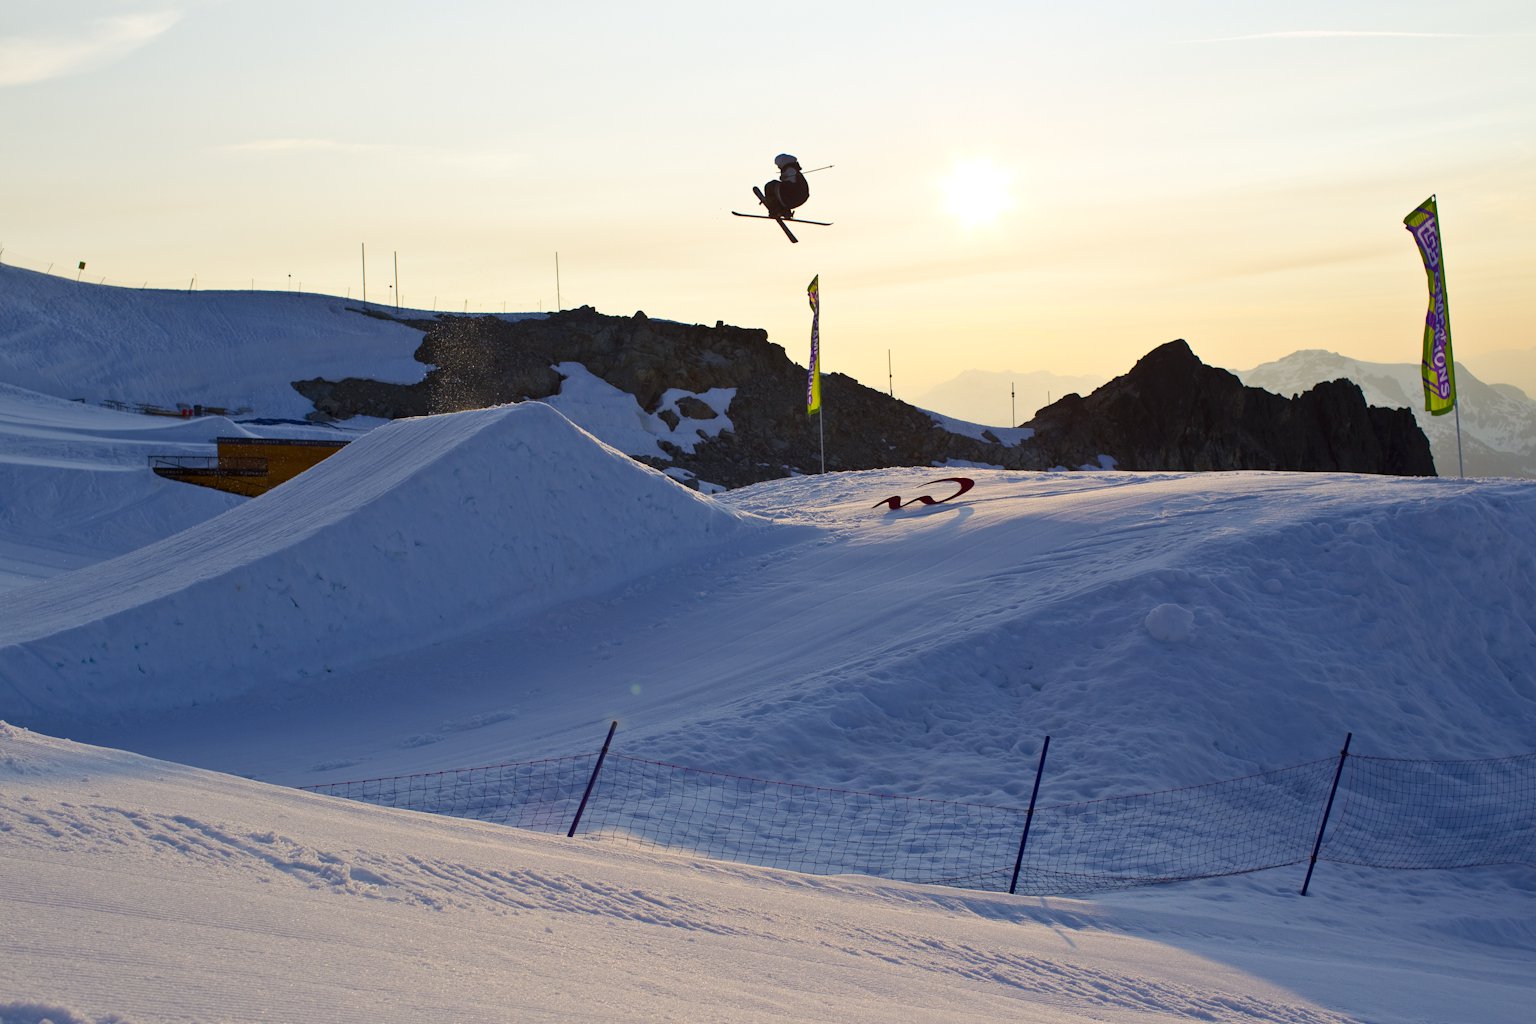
(1018, 861)
(581, 808)
(1328, 810)
(365, 272)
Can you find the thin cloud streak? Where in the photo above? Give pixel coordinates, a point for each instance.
(1344, 34)
(302, 146)
(25, 60)
(466, 160)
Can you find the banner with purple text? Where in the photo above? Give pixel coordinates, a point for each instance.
(813, 380)
(1438, 370)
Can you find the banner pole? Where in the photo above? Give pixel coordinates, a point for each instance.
(1445, 288)
(1460, 470)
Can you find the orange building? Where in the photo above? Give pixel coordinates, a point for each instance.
(246, 465)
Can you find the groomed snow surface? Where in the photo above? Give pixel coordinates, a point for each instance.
(501, 584)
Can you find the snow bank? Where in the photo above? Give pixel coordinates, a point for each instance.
(419, 530)
(1007, 436)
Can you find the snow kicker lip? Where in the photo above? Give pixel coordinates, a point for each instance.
(366, 552)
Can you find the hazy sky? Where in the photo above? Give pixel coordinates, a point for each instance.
(1017, 186)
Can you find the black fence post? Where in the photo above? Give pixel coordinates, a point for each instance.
(1018, 861)
(1317, 846)
(581, 807)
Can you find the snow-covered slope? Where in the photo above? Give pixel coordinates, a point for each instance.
(419, 529)
(1498, 422)
(234, 350)
(136, 891)
(500, 585)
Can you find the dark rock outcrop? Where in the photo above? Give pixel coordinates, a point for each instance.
(1171, 412)
(482, 361)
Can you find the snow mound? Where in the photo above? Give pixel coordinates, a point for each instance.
(229, 349)
(1170, 623)
(416, 532)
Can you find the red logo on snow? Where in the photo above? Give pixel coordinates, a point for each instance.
(895, 502)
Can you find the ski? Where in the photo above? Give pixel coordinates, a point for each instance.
(764, 200)
(787, 220)
(790, 220)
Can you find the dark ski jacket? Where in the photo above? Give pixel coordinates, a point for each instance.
(792, 188)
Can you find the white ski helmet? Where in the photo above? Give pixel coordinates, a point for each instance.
(783, 160)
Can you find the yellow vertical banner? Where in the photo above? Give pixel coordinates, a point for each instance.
(813, 379)
(1438, 370)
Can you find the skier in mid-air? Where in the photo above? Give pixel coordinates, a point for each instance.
(789, 190)
(780, 196)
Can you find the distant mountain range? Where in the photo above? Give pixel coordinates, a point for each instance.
(1498, 421)
(992, 396)
(1516, 366)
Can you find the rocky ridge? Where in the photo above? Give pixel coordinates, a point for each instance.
(1170, 412)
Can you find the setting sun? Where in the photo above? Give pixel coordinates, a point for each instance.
(977, 191)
